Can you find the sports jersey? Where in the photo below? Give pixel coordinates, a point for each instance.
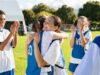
(78, 50)
(32, 67)
(6, 56)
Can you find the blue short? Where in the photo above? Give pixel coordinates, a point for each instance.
(11, 72)
(72, 67)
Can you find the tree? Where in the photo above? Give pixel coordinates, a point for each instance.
(43, 13)
(29, 16)
(42, 7)
(66, 14)
(91, 10)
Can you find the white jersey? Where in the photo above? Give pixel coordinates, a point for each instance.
(88, 35)
(46, 40)
(6, 56)
(54, 58)
(90, 64)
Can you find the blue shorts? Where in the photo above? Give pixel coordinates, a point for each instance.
(11, 72)
(72, 67)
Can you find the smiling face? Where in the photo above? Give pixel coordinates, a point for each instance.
(52, 23)
(2, 20)
(49, 24)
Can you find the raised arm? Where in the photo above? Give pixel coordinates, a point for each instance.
(72, 40)
(61, 35)
(83, 40)
(5, 42)
(38, 56)
(14, 41)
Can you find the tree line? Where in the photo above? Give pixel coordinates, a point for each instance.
(90, 9)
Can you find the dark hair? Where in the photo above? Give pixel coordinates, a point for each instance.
(38, 24)
(41, 19)
(57, 21)
(2, 12)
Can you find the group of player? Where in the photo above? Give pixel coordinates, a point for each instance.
(43, 47)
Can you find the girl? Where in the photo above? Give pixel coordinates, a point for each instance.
(32, 67)
(90, 64)
(8, 40)
(79, 42)
(53, 55)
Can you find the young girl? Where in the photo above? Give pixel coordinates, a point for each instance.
(80, 39)
(53, 55)
(90, 64)
(8, 40)
(32, 67)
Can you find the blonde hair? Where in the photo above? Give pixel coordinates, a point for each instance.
(85, 18)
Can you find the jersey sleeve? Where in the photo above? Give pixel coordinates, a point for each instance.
(48, 35)
(89, 36)
(53, 53)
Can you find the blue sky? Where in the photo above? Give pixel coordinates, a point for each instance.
(76, 4)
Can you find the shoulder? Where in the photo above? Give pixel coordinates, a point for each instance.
(30, 37)
(31, 34)
(56, 41)
(48, 34)
(88, 34)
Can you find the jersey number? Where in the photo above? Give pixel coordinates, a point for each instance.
(30, 50)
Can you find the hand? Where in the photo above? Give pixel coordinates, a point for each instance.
(80, 26)
(17, 25)
(14, 27)
(36, 38)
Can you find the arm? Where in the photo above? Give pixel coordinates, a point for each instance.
(39, 58)
(61, 35)
(72, 40)
(14, 41)
(51, 55)
(5, 42)
(83, 40)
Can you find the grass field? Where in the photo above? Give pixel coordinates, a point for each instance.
(21, 59)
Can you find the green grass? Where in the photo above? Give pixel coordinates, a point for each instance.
(20, 53)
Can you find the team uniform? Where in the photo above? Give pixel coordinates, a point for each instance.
(78, 51)
(7, 63)
(59, 68)
(52, 54)
(90, 64)
(32, 67)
